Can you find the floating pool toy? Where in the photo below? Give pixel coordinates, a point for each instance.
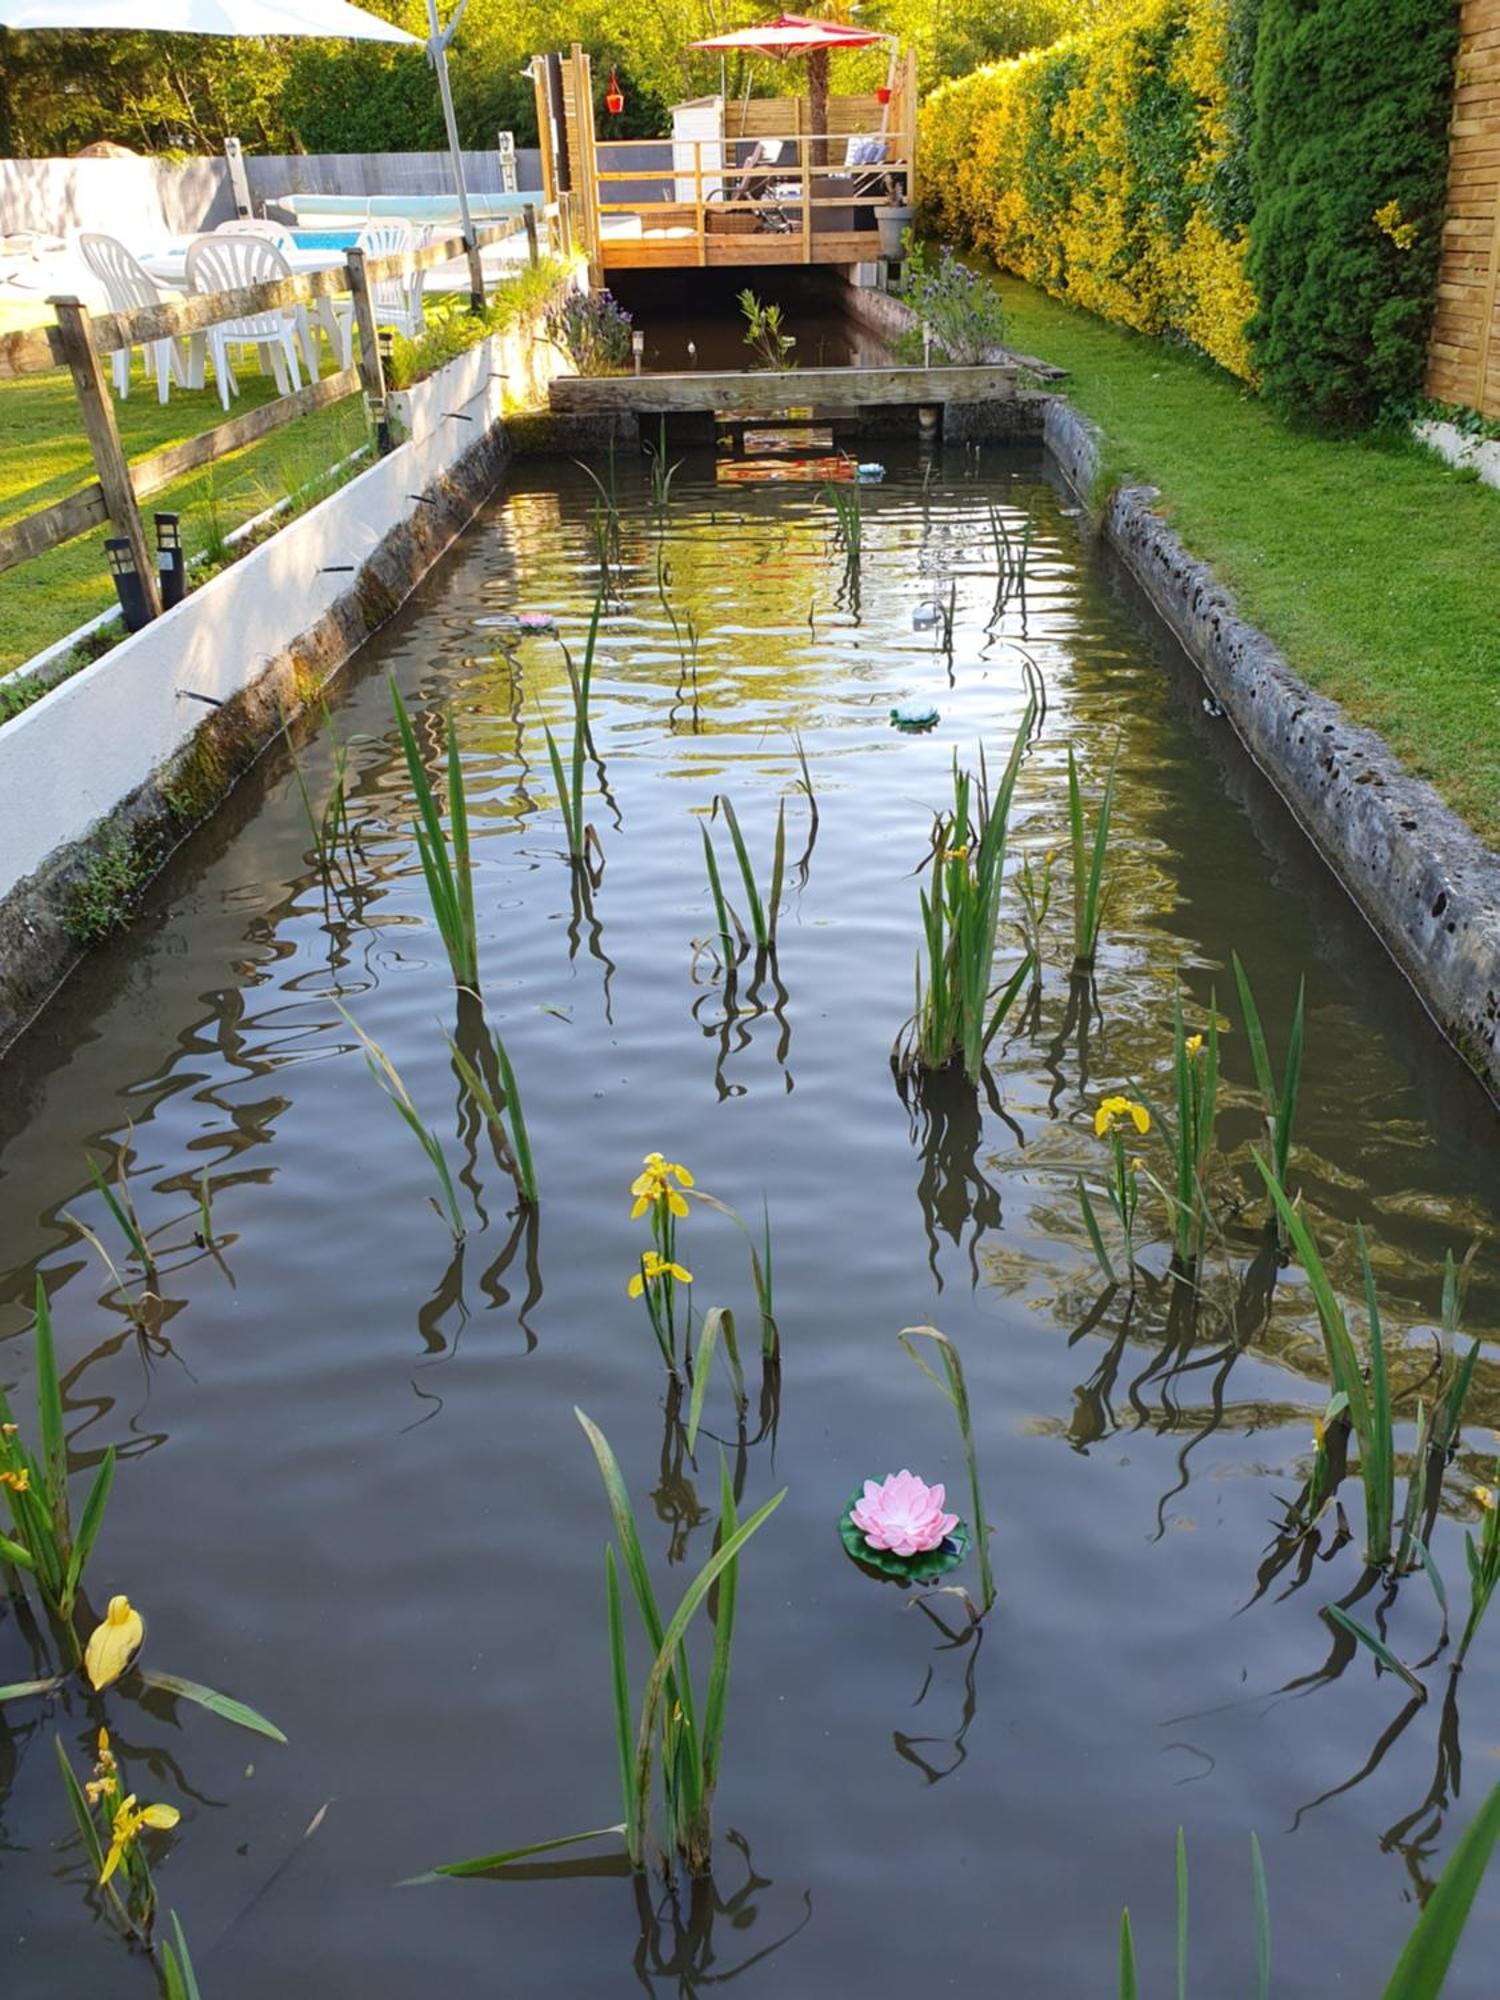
(869, 474)
(924, 618)
(939, 1542)
(914, 715)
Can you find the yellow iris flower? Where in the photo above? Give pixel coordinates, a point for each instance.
(128, 1821)
(654, 1184)
(1115, 1110)
(1193, 1044)
(114, 1644)
(654, 1266)
(1485, 1498)
(104, 1783)
(18, 1482)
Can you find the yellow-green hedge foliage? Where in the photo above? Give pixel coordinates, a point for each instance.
(1108, 169)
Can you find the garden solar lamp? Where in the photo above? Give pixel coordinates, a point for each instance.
(331, 19)
(638, 349)
(129, 588)
(170, 563)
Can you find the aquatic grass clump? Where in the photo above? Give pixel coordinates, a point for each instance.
(1367, 1404)
(958, 1012)
(447, 868)
(43, 1540)
(1091, 891)
(1129, 1976)
(661, 1743)
(1484, 1563)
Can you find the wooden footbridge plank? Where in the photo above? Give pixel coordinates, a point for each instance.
(761, 392)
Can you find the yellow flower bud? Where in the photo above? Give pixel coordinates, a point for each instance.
(114, 1644)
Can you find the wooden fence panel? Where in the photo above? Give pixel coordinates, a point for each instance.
(1463, 357)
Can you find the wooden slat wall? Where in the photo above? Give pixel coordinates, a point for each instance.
(1463, 359)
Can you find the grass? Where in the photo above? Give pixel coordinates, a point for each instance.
(45, 457)
(1366, 559)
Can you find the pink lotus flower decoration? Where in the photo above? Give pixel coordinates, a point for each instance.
(903, 1514)
(536, 621)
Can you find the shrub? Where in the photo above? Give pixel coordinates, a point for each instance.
(1348, 163)
(1109, 170)
(453, 329)
(593, 330)
(960, 308)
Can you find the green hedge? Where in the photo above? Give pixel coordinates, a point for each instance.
(1348, 166)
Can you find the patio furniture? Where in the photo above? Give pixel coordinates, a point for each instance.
(395, 302)
(759, 182)
(128, 286)
(277, 233)
(226, 264)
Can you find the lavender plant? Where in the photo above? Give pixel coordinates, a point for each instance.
(959, 309)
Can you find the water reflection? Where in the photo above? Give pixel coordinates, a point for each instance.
(939, 1756)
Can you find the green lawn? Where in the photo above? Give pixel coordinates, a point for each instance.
(43, 456)
(1375, 567)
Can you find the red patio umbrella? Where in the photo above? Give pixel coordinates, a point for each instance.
(797, 35)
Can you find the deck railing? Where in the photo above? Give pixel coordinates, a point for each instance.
(80, 339)
(797, 198)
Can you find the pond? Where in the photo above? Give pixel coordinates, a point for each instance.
(352, 1490)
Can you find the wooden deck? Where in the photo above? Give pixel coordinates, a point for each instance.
(682, 250)
(763, 393)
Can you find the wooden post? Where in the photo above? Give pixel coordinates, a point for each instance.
(371, 372)
(699, 223)
(94, 406)
(533, 250)
(807, 214)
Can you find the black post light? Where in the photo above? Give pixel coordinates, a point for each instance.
(129, 588)
(171, 564)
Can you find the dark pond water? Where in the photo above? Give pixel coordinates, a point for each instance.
(352, 1489)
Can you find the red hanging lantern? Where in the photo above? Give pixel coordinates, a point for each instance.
(614, 97)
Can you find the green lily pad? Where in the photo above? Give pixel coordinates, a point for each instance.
(923, 1568)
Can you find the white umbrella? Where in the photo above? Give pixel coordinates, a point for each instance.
(261, 17)
(207, 17)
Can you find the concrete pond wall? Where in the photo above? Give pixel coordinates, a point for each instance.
(116, 764)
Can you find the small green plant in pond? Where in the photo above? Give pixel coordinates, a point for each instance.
(1129, 1977)
(763, 911)
(958, 1012)
(1122, 1190)
(1034, 887)
(120, 1203)
(663, 1739)
(1195, 1076)
(569, 780)
(1278, 1096)
(659, 1191)
(662, 474)
(385, 1073)
(331, 829)
(1090, 889)
(1423, 1965)
(111, 1822)
(848, 518)
(1484, 1563)
(178, 1980)
(952, 1385)
(507, 1120)
(765, 335)
(43, 1541)
(100, 900)
(447, 865)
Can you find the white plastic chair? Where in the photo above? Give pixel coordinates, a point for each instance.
(129, 286)
(279, 233)
(224, 264)
(395, 302)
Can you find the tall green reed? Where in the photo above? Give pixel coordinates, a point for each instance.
(763, 910)
(951, 1384)
(43, 1540)
(662, 474)
(504, 1116)
(1129, 1976)
(447, 869)
(1278, 1095)
(580, 836)
(332, 829)
(661, 1744)
(1484, 1563)
(1091, 890)
(958, 1012)
(388, 1077)
(1195, 1076)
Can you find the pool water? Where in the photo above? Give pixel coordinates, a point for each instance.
(352, 1490)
